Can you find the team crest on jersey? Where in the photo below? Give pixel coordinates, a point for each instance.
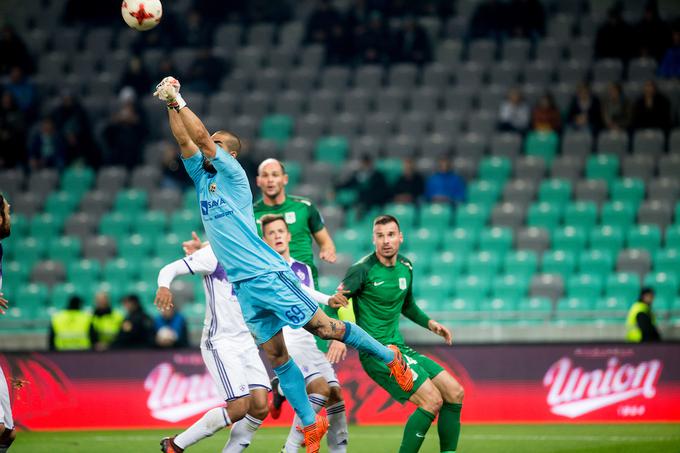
(212, 187)
(290, 217)
(402, 283)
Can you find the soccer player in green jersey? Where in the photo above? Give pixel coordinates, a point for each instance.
(303, 219)
(380, 285)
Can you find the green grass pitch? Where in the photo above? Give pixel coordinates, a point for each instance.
(638, 438)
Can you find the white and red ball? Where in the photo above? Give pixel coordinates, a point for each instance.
(142, 14)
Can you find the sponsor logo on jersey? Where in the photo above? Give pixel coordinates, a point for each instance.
(290, 217)
(212, 187)
(378, 283)
(207, 205)
(573, 392)
(402, 283)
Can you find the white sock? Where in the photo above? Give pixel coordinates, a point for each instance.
(242, 434)
(295, 437)
(337, 431)
(211, 422)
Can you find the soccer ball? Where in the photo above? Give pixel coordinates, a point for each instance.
(141, 14)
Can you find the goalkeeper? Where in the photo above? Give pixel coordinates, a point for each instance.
(380, 286)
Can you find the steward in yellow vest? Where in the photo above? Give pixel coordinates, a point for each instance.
(71, 329)
(105, 321)
(640, 322)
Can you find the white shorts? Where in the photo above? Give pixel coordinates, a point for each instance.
(5, 409)
(313, 364)
(236, 373)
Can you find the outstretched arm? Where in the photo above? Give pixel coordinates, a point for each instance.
(197, 132)
(165, 278)
(187, 146)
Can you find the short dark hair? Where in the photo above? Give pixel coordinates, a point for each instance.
(75, 303)
(233, 142)
(645, 291)
(134, 298)
(385, 219)
(271, 218)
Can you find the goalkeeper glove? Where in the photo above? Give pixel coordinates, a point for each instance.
(168, 90)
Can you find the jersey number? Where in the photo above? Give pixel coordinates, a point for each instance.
(295, 315)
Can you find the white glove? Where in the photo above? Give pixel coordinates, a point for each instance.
(168, 91)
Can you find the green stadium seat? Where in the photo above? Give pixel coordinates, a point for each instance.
(420, 259)
(351, 241)
(597, 262)
(483, 192)
(461, 240)
(602, 166)
(423, 240)
(448, 263)
(190, 200)
(623, 285)
(671, 239)
(132, 202)
(499, 308)
(522, 264)
(135, 247)
(560, 262)
(436, 215)
(346, 197)
(148, 270)
(327, 285)
(646, 237)
(555, 191)
(83, 271)
(77, 179)
(332, 150)
(116, 224)
(544, 215)
(472, 215)
(472, 287)
(277, 128)
(15, 273)
(584, 286)
(542, 144)
(30, 250)
(668, 261)
(433, 287)
(484, 264)
(150, 224)
(570, 239)
(581, 214)
(665, 285)
(496, 239)
(183, 222)
(390, 168)
(628, 190)
(619, 213)
(463, 309)
(509, 287)
(60, 204)
(612, 308)
(31, 295)
(146, 291)
(607, 238)
(120, 272)
(45, 226)
(535, 308)
(65, 249)
(574, 308)
(294, 172)
(405, 213)
(495, 169)
(168, 247)
(61, 294)
(115, 292)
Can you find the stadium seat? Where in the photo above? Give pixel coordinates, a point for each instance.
(538, 308)
(628, 190)
(448, 263)
(498, 308)
(509, 287)
(484, 264)
(542, 144)
(116, 224)
(422, 240)
(83, 271)
(134, 248)
(624, 286)
(665, 285)
(668, 261)
(471, 287)
(436, 215)
(65, 249)
(581, 214)
(606, 237)
(597, 262)
(150, 224)
(646, 237)
(555, 191)
(602, 166)
(405, 213)
(45, 226)
(32, 295)
(612, 309)
(77, 180)
(522, 264)
(434, 286)
(132, 202)
(495, 169)
(558, 262)
(619, 214)
(120, 271)
(277, 127)
(183, 222)
(570, 239)
(148, 269)
(332, 150)
(574, 309)
(484, 193)
(59, 204)
(544, 215)
(496, 239)
(471, 216)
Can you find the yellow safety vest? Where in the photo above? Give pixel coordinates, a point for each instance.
(634, 334)
(107, 326)
(71, 330)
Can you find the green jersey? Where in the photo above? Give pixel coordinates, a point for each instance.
(380, 294)
(303, 221)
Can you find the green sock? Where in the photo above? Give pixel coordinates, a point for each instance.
(448, 426)
(414, 431)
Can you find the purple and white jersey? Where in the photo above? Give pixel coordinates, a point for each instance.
(300, 338)
(223, 325)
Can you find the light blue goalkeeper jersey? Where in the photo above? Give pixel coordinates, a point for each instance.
(226, 204)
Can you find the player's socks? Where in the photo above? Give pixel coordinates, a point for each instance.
(357, 338)
(414, 431)
(448, 426)
(292, 384)
(242, 434)
(295, 437)
(337, 433)
(211, 422)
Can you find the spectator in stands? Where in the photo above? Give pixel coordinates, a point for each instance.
(125, 133)
(14, 52)
(489, 20)
(197, 33)
(615, 109)
(514, 114)
(71, 329)
(652, 35)
(410, 186)
(585, 112)
(74, 126)
(546, 116)
(652, 110)
(137, 328)
(170, 329)
(321, 20)
(526, 19)
(370, 184)
(47, 147)
(105, 321)
(13, 126)
(641, 322)
(445, 185)
(206, 72)
(22, 89)
(373, 41)
(613, 39)
(136, 77)
(174, 176)
(411, 43)
(670, 65)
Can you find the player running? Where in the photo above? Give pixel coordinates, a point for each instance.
(228, 350)
(268, 292)
(7, 431)
(323, 387)
(380, 285)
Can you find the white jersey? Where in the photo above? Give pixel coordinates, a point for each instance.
(223, 325)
